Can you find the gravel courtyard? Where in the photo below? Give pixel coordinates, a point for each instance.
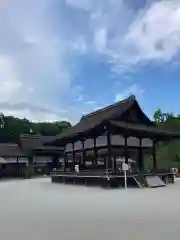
(37, 209)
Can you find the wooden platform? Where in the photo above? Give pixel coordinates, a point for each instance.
(107, 179)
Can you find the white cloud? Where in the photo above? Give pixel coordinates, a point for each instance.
(155, 34)
(131, 90)
(128, 36)
(80, 45)
(33, 60)
(100, 40)
(41, 41)
(82, 4)
(10, 85)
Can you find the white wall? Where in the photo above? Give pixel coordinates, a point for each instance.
(11, 159)
(115, 140)
(42, 159)
(23, 160)
(61, 159)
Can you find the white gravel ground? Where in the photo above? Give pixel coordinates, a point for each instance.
(39, 210)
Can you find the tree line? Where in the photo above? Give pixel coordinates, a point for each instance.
(11, 128)
(168, 152)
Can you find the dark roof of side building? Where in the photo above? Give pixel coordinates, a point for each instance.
(11, 150)
(37, 142)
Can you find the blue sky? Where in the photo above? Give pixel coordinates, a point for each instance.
(60, 59)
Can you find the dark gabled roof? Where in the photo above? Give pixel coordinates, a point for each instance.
(50, 148)
(94, 119)
(37, 142)
(45, 139)
(110, 114)
(30, 142)
(11, 150)
(110, 111)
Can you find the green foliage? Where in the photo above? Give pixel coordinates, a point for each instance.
(13, 127)
(168, 152)
(160, 117)
(157, 115)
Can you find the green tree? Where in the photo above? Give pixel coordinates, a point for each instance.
(157, 115)
(12, 128)
(161, 117)
(167, 151)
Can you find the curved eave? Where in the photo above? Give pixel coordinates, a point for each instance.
(138, 130)
(144, 114)
(144, 130)
(79, 136)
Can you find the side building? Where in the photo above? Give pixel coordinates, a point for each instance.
(13, 160)
(30, 157)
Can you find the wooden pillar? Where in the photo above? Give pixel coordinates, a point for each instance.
(140, 156)
(126, 148)
(83, 154)
(73, 156)
(65, 160)
(109, 158)
(95, 152)
(105, 162)
(114, 164)
(154, 155)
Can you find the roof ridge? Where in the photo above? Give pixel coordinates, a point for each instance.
(9, 144)
(26, 135)
(130, 98)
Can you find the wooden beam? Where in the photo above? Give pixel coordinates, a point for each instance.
(105, 147)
